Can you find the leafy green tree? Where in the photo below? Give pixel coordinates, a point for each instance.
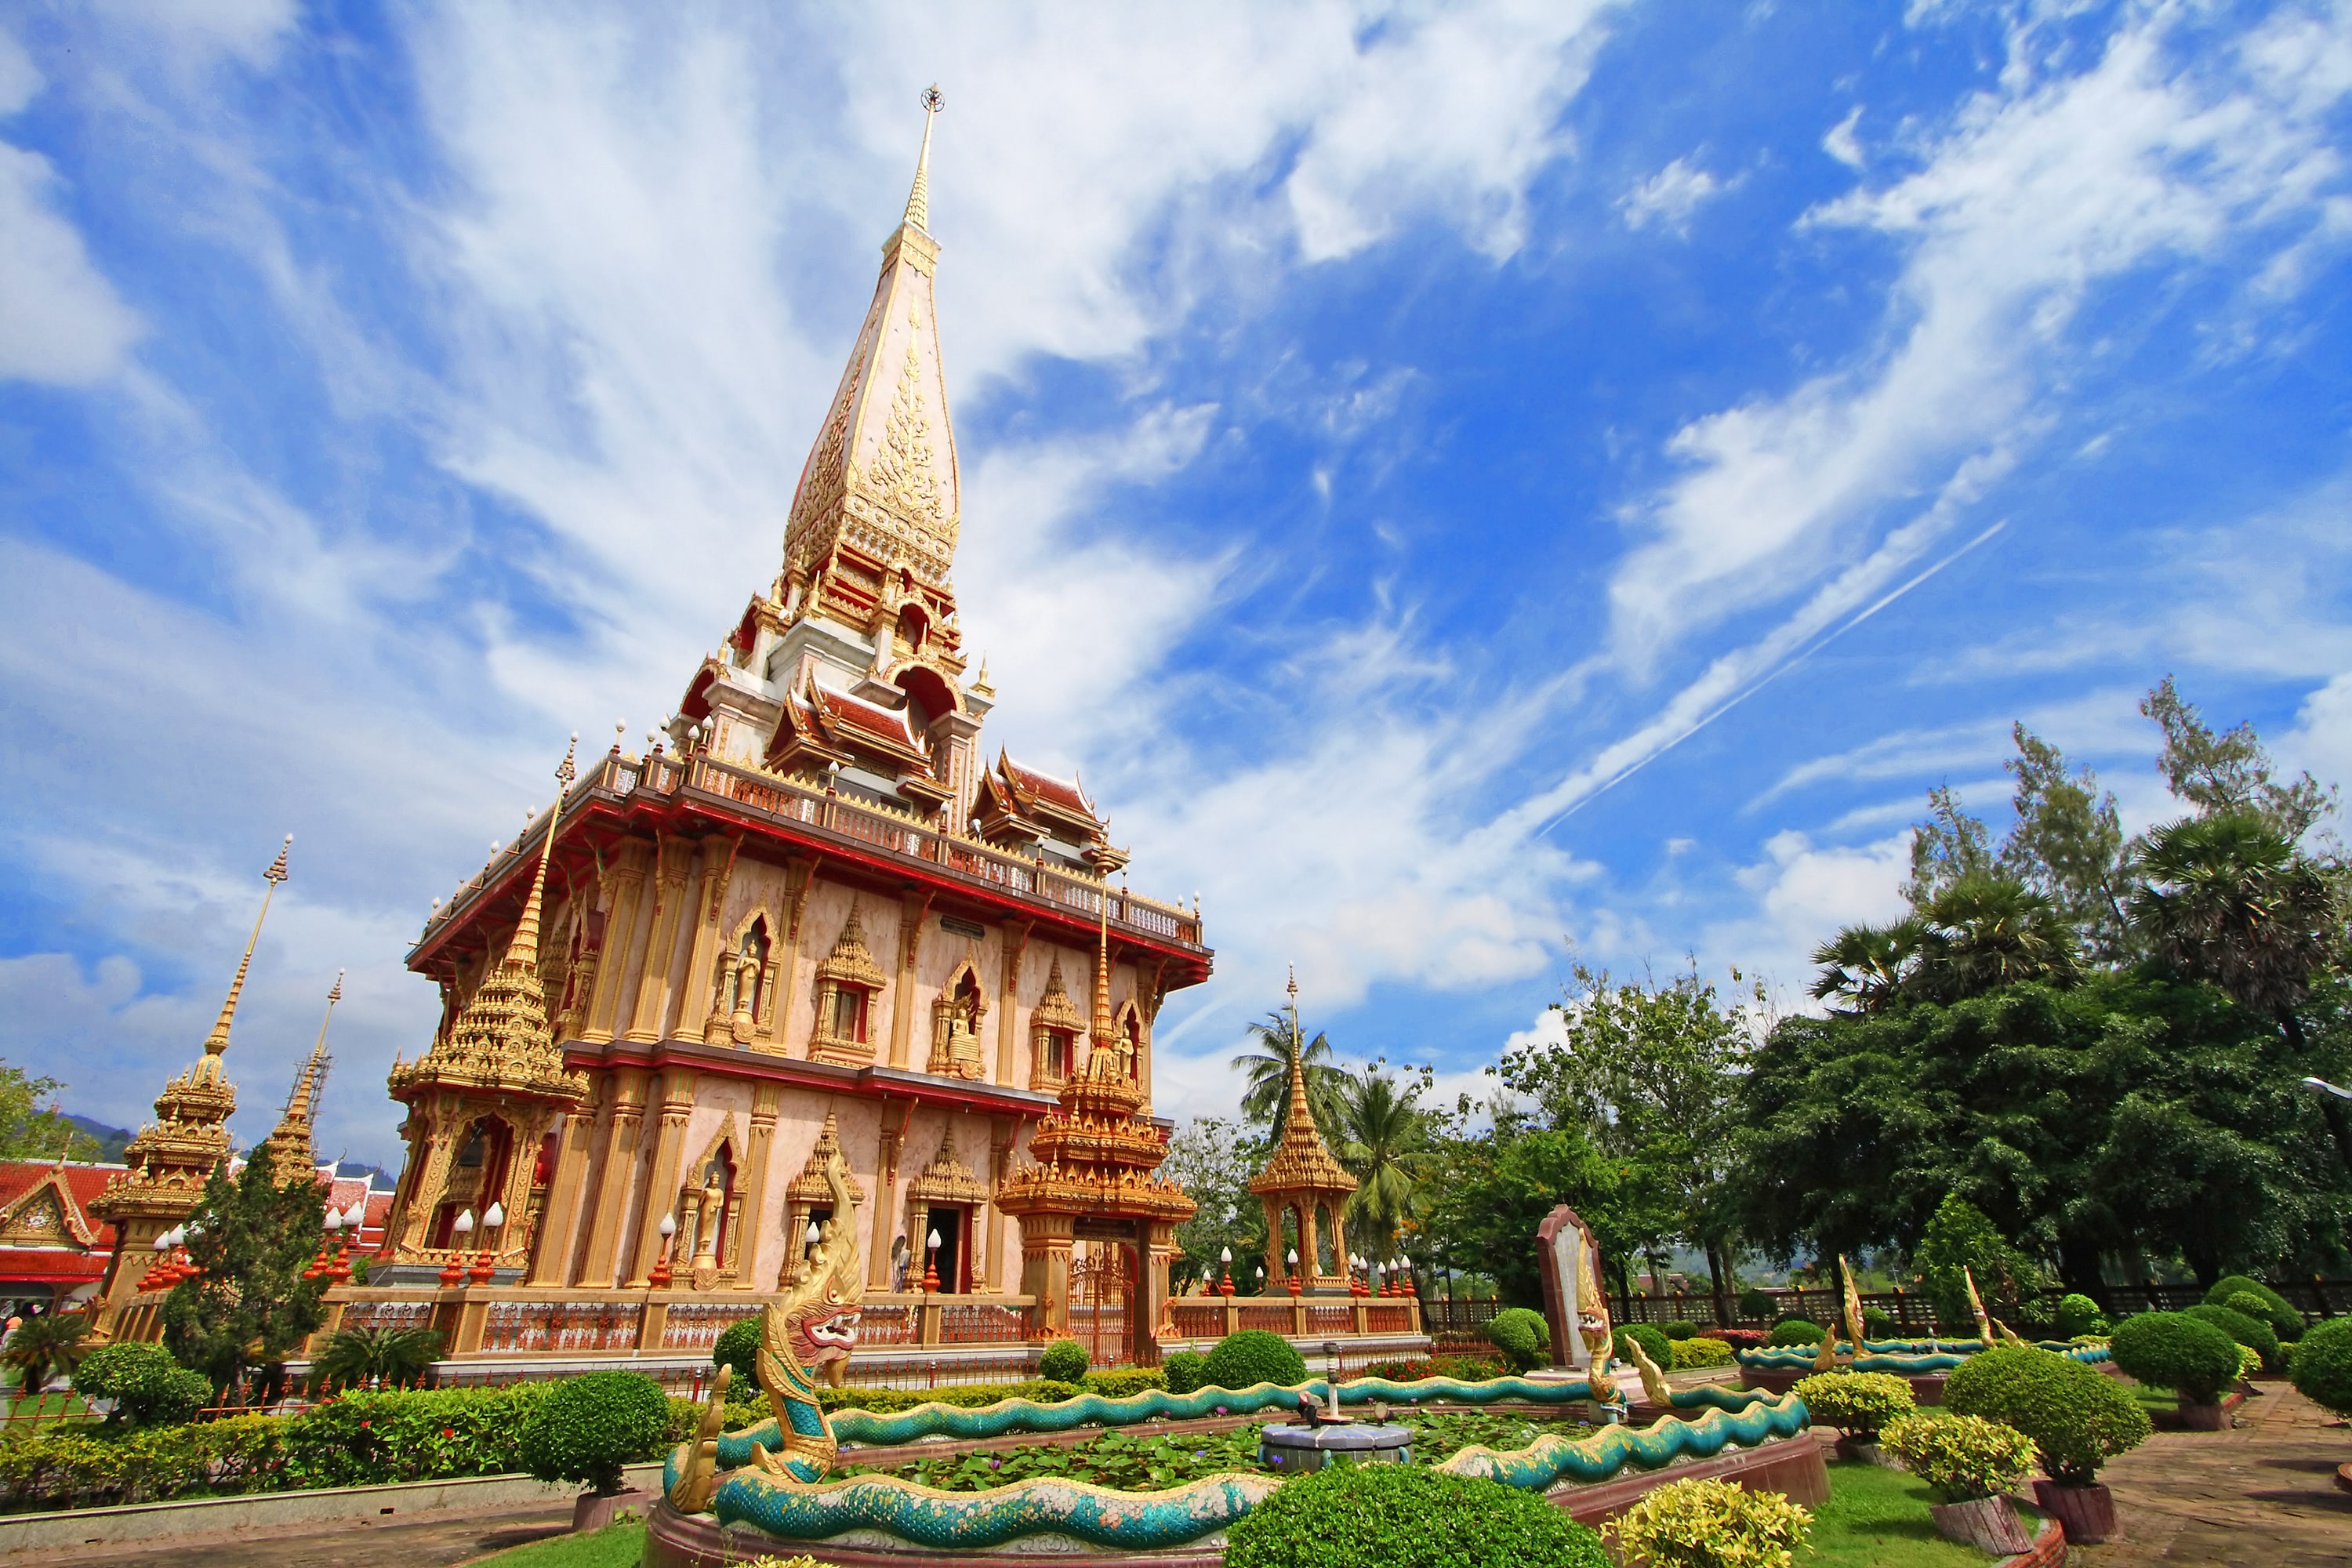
(1960, 1244)
(1212, 1160)
(1489, 1190)
(30, 1130)
(389, 1358)
(1983, 933)
(2068, 845)
(1947, 848)
(1653, 1070)
(1866, 968)
(1383, 1137)
(2225, 898)
(2230, 773)
(250, 1306)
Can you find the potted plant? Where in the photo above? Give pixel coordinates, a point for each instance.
(1859, 1404)
(2186, 1355)
(1968, 1462)
(586, 1428)
(2076, 1417)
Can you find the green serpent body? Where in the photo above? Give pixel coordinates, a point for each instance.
(794, 1509)
(1904, 1358)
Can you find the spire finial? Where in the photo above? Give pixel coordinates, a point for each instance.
(523, 949)
(918, 200)
(218, 1041)
(1101, 1029)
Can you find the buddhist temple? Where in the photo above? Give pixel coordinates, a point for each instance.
(807, 912)
(170, 1159)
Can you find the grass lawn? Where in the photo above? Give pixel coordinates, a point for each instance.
(1878, 1519)
(617, 1545)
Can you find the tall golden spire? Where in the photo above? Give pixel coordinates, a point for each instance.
(1100, 1035)
(218, 1041)
(918, 200)
(288, 1148)
(524, 947)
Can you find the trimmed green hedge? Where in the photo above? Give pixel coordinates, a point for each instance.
(1065, 1360)
(1407, 1516)
(587, 1428)
(1522, 1336)
(1790, 1333)
(1253, 1356)
(2322, 1369)
(1185, 1371)
(1654, 1345)
(1119, 1382)
(963, 1397)
(2175, 1350)
(2243, 1328)
(2078, 1418)
(2284, 1320)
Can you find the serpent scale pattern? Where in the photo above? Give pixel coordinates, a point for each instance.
(1904, 1358)
(795, 1510)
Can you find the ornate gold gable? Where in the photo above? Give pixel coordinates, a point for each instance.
(955, 1022)
(947, 1179)
(847, 983)
(46, 1214)
(812, 1189)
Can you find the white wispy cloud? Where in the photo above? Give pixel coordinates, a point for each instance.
(1669, 196)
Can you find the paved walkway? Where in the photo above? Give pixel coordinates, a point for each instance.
(2263, 1496)
(424, 1540)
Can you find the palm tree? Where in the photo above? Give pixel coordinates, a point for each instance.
(1986, 931)
(2227, 899)
(1265, 1069)
(1382, 1135)
(396, 1356)
(45, 1347)
(1865, 965)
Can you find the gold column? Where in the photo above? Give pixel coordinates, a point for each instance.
(895, 1116)
(439, 1150)
(751, 1224)
(618, 1160)
(628, 886)
(554, 1248)
(653, 982)
(1045, 1240)
(913, 906)
(1274, 1213)
(702, 960)
(661, 1185)
(1008, 1029)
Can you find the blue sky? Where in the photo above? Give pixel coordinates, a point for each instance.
(1459, 482)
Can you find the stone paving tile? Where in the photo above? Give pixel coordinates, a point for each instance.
(424, 1541)
(2263, 1496)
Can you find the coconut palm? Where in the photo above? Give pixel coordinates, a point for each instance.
(1864, 966)
(1265, 1070)
(2227, 899)
(396, 1357)
(1986, 931)
(1383, 1135)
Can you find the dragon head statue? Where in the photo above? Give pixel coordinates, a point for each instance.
(807, 1334)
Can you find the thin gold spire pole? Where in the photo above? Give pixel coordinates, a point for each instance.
(523, 950)
(218, 1041)
(307, 1087)
(918, 200)
(1101, 1029)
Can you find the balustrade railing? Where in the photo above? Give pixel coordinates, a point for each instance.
(1390, 1319)
(980, 1324)
(1330, 1320)
(884, 1324)
(1274, 1316)
(387, 1315)
(1198, 1319)
(696, 1325)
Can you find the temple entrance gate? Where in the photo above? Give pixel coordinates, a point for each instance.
(1102, 1289)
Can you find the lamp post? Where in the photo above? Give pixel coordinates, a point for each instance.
(659, 1278)
(931, 1264)
(2330, 1096)
(333, 1223)
(1294, 1270)
(455, 1269)
(1226, 1257)
(485, 1266)
(809, 1241)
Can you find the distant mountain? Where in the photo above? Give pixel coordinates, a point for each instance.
(379, 1179)
(111, 1140)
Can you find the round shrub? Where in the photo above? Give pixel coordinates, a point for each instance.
(1707, 1523)
(1960, 1456)
(2284, 1320)
(739, 1347)
(1407, 1516)
(148, 1388)
(1185, 1371)
(2243, 1329)
(587, 1428)
(1857, 1404)
(1690, 1354)
(1792, 1332)
(2079, 1315)
(1523, 1337)
(1756, 1305)
(1654, 1345)
(2172, 1350)
(2321, 1368)
(1065, 1360)
(1679, 1329)
(2250, 1361)
(2078, 1418)
(1878, 1324)
(1253, 1356)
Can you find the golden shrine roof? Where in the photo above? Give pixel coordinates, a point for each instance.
(1300, 1162)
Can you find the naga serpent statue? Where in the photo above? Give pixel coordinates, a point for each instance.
(772, 1477)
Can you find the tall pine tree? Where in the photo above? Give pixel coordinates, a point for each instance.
(252, 1237)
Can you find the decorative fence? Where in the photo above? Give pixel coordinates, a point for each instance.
(556, 1327)
(696, 1325)
(1914, 1312)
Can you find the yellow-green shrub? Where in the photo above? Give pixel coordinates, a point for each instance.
(1855, 1402)
(1702, 1524)
(1701, 1351)
(1960, 1456)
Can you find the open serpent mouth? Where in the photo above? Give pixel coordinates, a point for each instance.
(834, 1336)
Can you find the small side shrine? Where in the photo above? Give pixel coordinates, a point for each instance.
(1303, 1181)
